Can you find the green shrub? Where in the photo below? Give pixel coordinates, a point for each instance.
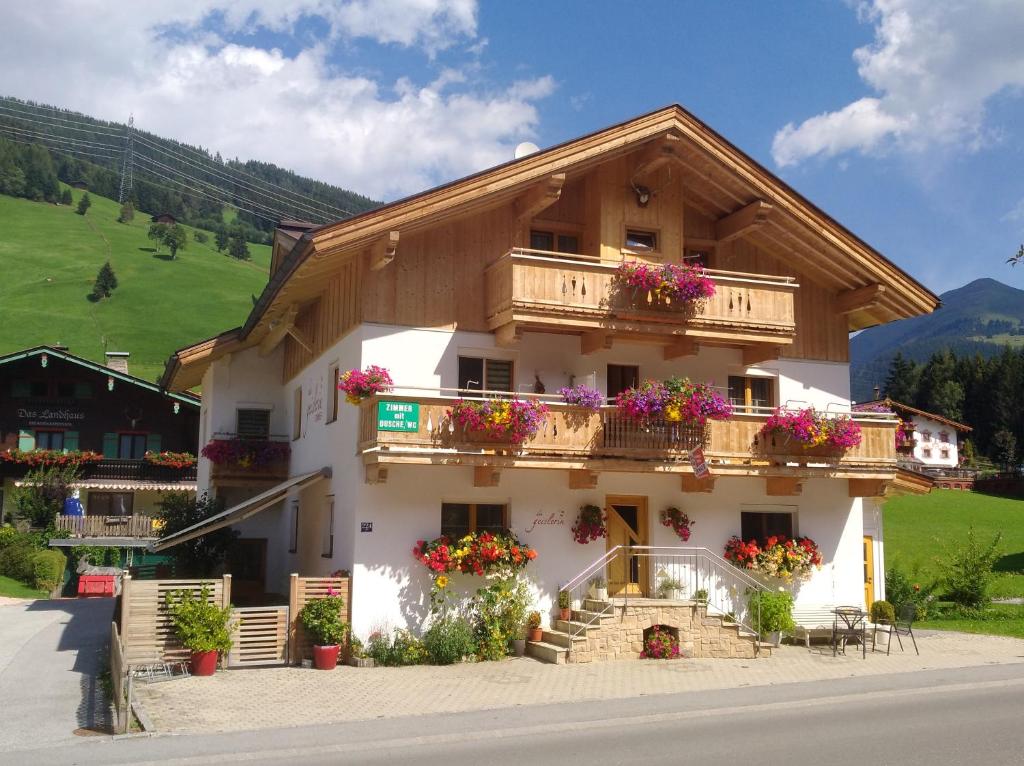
(499, 616)
(400, 648)
(48, 569)
(321, 617)
(201, 625)
(449, 640)
(16, 560)
(883, 611)
(378, 647)
(967, 572)
(8, 535)
(771, 611)
(900, 590)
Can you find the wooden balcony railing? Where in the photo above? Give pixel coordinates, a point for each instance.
(570, 437)
(241, 461)
(534, 290)
(117, 470)
(135, 525)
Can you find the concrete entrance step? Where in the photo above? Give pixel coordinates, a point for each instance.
(545, 652)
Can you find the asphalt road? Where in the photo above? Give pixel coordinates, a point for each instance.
(964, 716)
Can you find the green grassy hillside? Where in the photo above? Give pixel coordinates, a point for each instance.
(920, 529)
(49, 256)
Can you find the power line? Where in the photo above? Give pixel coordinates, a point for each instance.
(41, 135)
(29, 139)
(229, 169)
(62, 149)
(127, 163)
(149, 161)
(63, 123)
(290, 203)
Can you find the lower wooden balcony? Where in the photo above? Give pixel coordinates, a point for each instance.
(135, 525)
(529, 290)
(587, 443)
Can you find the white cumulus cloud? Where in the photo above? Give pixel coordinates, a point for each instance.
(189, 71)
(933, 65)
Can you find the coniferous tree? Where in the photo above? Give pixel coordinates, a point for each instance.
(105, 284)
(237, 246)
(902, 381)
(83, 204)
(221, 238)
(65, 197)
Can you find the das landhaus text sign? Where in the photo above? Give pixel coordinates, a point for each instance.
(398, 416)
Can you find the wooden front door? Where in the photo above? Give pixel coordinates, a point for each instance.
(869, 571)
(627, 526)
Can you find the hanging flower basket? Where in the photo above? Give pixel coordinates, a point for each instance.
(246, 453)
(779, 556)
(359, 385)
(811, 432)
(480, 553)
(663, 285)
(590, 525)
(504, 421)
(679, 521)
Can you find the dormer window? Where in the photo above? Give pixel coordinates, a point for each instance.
(641, 240)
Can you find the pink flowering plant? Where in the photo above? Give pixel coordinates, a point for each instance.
(666, 282)
(582, 396)
(504, 420)
(362, 384)
(810, 428)
(677, 400)
(590, 525)
(678, 520)
(660, 644)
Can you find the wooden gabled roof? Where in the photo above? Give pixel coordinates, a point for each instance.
(723, 183)
(900, 407)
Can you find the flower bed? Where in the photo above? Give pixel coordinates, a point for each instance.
(362, 384)
(677, 400)
(679, 521)
(590, 525)
(810, 428)
(582, 396)
(666, 282)
(481, 553)
(660, 644)
(779, 557)
(37, 458)
(170, 459)
(247, 453)
(503, 420)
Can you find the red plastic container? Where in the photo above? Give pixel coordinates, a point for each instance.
(325, 657)
(204, 663)
(93, 586)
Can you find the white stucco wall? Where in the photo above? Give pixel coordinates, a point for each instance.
(934, 428)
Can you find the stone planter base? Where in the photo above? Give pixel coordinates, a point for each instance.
(361, 662)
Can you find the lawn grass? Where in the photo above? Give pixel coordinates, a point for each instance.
(998, 620)
(920, 529)
(50, 257)
(15, 589)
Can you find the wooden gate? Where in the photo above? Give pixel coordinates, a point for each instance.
(260, 636)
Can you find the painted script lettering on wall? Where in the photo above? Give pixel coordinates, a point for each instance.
(398, 416)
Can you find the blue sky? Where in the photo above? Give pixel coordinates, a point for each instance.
(899, 117)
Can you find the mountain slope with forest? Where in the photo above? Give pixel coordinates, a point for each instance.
(981, 317)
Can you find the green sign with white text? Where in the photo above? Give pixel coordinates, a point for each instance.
(398, 416)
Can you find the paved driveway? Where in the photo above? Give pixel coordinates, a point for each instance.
(51, 653)
(236, 700)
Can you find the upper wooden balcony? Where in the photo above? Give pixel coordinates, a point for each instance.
(533, 290)
(586, 443)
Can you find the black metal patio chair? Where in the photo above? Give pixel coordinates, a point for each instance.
(902, 627)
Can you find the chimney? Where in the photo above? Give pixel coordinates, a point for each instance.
(117, 360)
(878, 393)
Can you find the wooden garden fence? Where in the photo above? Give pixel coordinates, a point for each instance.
(120, 681)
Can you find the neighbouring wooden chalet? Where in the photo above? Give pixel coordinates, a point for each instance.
(120, 428)
(510, 283)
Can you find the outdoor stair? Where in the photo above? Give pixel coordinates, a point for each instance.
(596, 632)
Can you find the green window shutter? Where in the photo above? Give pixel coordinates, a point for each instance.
(26, 439)
(110, 445)
(152, 442)
(71, 441)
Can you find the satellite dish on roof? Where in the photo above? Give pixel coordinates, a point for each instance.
(526, 148)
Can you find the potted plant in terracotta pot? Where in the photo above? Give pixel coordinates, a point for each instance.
(564, 605)
(321, 617)
(533, 630)
(202, 627)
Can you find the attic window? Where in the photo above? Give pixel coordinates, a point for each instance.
(637, 239)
